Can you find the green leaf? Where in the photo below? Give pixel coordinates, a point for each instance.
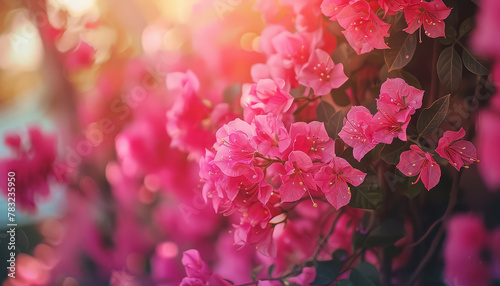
(412, 190)
(328, 271)
(391, 152)
(270, 270)
(387, 233)
(401, 50)
(368, 195)
(473, 64)
(335, 124)
(449, 69)
(466, 27)
(364, 274)
(324, 111)
(408, 77)
(430, 118)
(450, 36)
(256, 272)
(344, 282)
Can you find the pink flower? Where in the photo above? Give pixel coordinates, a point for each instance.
(236, 151)
(458, 152)
(299, 177)
(305, 278)
(357, 131)
(261, 238)
(185, 117)
(364, 30)
(488, 151)
(313, 140)
(416, 161)
(271, 136)
(484, 39)
(321, 74)
(386, 126)
(293, 48)
(397, 96)
(465, 240)
(32, 162)
(198, 272)
(242, 190)
(331, 8)
(429, 14)
(333, 179)
(392, 6)
(266, 96)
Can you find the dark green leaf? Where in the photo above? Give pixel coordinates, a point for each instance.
(402, 48)
(324, 111)
(405, 185)
(449, 68)
(344, 282)
(335, 124)
(256, 272)
(364, 274)
(466, 26)
(328, 271)
(270, 270)
(301, 108)
(368, 195)
(391, 152)
(340, 97)
(358, 240)
(450, 36)
(431, 117)
(387, 233)
(473, 64)
(408, 77)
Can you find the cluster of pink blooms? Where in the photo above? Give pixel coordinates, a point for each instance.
(256, 165)
(365, 31)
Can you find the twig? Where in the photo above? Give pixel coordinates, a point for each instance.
(451, 205)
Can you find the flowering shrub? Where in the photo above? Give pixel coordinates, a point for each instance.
(284, 142)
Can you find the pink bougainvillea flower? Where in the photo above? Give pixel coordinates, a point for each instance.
(305, 278)
(458, 152)
(299, 177)
(32, 162)
(261, 238)
(187, 113)
(333, 179)
(236, 152)
(466, 239)
(197, 271)
(416, 161)
(392, 6)
(266, 38)
(195, 267)
(242, 190)
(484, 39)
(430, 14)
(357, 131)
(331, 8)
(293, 48)
(321, 74)
(487, 143)
(313, 140)
(397, 96)
(364, 29)
(387, 125)
(271, 136)
(266, 96)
